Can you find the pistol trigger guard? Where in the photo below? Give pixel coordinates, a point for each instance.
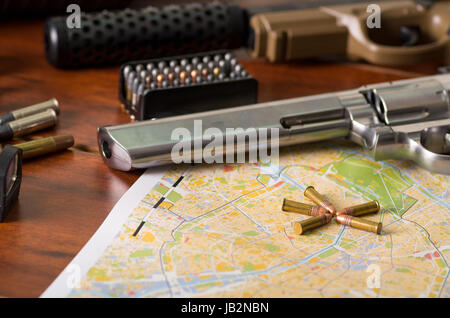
(424, 151)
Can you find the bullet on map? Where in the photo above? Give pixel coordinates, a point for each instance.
(302, 208)
(319, 199)
(361, 209)
(359, 223)
(311, 223)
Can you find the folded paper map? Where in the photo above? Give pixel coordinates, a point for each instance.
(221, 233)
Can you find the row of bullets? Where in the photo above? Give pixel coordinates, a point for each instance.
(179, 72)
(324, 212)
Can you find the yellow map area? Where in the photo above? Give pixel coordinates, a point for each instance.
(221, 233)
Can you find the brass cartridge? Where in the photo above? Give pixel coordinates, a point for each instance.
(44, 146)
(319, 199)
(359, 223)
(311, 223)
(302, 208)
(361, 209)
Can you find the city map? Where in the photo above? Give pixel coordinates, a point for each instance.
(221, 232)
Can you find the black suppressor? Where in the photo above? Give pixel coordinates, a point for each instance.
(115, 37)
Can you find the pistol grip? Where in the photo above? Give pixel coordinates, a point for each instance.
(296, 34)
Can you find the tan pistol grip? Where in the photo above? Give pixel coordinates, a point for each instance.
(288, 35)
(342, 29)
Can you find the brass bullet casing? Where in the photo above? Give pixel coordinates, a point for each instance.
(361, 209)
(129, 85)
(359, 223)
(302, 208)
(27, 125)
(37, 108)
(44, 146)
(171, 77)
(183, 75)
(205, 73)
(148, 81)
(311, 223)
(194, 74)
(216, 72)
(159, 79)
(319, 199)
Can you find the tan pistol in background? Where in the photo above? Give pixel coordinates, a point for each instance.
(408, 33)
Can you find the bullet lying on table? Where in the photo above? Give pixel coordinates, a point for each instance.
(44, 146)
(29, 124)
(30, 110)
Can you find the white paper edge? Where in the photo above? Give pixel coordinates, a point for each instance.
(101, 239)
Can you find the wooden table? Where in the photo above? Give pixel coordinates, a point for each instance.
(65, 197)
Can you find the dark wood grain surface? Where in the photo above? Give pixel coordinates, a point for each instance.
(65, 197)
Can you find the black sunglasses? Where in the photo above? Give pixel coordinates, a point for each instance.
(10, 177)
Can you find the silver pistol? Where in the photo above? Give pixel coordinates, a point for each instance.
(408, 119)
